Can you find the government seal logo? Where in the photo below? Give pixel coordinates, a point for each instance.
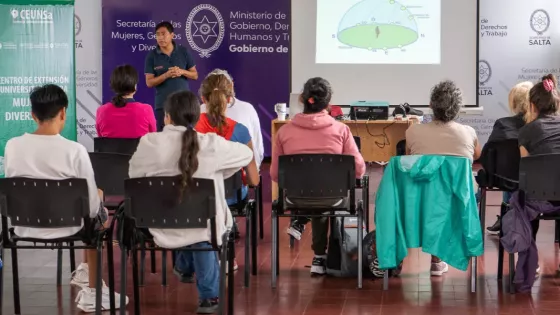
(205, 29)
(540, 21)
(77, 24)
(484, 72)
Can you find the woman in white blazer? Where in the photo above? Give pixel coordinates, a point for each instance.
(180, 150)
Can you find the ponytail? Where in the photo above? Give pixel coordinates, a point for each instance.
(119, 101)
(217, 100)
(188, 162)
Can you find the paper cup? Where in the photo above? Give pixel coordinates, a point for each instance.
(280, 108)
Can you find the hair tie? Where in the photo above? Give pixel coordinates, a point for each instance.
(311, 100)
(548, 84)
(190, 126)
(216, 89)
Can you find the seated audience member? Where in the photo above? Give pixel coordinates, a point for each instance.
(45, 154)
(507, 128)
(217, 93)
(443, 136)
(123, 117)
(180, 150)
(541, 134)
(315, 132)
(244, 113)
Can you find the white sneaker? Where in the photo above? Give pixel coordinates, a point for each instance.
(86, 300)
(438, 269)
(235, 266)
(80, 276)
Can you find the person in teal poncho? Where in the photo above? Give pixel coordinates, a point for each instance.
(443, 136)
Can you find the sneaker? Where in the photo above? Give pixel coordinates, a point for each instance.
(538, 272)
(86, 300)
(80, 277)
(208, 306)
(319, 265)
(495, 229)
(438, 269)
(184, 278)
(296, 230)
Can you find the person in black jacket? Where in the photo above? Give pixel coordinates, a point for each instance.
(507, 128)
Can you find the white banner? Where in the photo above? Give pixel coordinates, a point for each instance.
(88, 68)
(519, 41)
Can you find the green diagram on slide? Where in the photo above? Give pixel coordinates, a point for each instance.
(378, 24)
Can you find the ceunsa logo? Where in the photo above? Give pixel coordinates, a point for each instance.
(31, 14)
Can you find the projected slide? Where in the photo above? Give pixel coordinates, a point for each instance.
(378, 31)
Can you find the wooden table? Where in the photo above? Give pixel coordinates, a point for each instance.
(379, 138)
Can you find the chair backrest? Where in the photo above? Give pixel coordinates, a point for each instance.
(115, 145)
(503, 161)
(110, 169)
(154, 202)
(41, 203)
(316, 175)
(233, 186)
(539, 177)
(358, 141)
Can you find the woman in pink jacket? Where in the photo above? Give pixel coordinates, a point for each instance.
(315, 132)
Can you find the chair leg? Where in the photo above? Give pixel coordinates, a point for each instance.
(58, 267)
(261, 210)
(482, 211)
(223, 275)
(474, 267)
(292, 239)
(500, 247)
(99, 280)
(277, 246)
(386, 280)
(72, 257)
(254, 241)
(15, 275)
(142, 262)
(163, 267)
(135, 282)
(173, 257)
(111, 266)
(511, 273)
(274, 260)
(248, 249)
(231, 275)
(2, 262)
(123, 281)
(360, 247)
(153, 259)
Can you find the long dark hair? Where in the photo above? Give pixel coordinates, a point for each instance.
(216, 89)
(123, 82)
(183, 109)
(544, 95)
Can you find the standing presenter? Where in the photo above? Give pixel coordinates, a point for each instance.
(168, 68)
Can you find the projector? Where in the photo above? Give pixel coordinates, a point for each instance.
(369, 110)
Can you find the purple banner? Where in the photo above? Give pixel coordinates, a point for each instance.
(249, 38)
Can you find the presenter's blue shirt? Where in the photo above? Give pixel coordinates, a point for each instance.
(158, 63)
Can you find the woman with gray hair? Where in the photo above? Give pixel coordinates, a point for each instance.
(443, 136)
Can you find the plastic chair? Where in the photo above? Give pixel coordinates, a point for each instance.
(539, 179)
(244, 208)
(39, 203)
(116, 145)
(315, 176)
(111, 169)
(152, 202)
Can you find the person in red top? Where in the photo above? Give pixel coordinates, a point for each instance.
(123, 117)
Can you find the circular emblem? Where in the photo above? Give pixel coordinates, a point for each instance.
(205, 29)
(14, 13)
(540, 21)
(484, 72)
(77, 24)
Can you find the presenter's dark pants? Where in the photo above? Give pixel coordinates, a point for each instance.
(160, 114)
